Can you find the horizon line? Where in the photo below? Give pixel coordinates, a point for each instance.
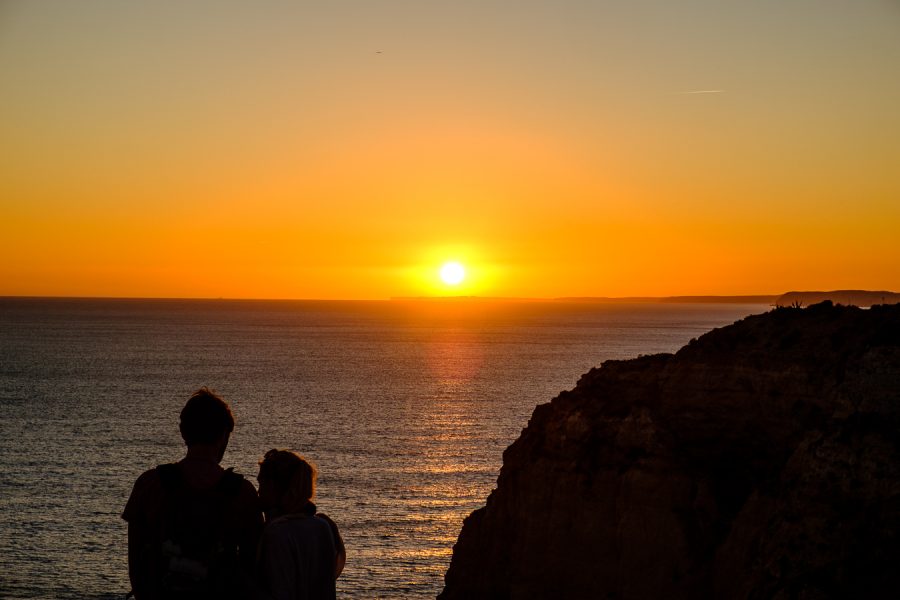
(583, 298)
(463, 297)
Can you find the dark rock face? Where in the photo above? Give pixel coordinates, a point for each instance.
(760, 461)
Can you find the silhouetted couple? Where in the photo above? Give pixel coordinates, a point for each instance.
(196, 530)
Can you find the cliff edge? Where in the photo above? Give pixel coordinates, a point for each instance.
(759, 461)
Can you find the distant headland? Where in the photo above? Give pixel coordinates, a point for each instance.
(753, 299)
(768, 299)
(862, 298)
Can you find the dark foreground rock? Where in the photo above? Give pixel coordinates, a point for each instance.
(760, 461)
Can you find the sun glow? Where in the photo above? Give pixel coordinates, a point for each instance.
(453, 273)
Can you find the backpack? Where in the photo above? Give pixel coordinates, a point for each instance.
(196, 557)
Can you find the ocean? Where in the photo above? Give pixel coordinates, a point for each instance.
(405, 406)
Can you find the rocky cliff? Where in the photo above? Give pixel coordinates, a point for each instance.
(760, 461)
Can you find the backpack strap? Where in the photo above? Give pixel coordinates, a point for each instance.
(230, 483)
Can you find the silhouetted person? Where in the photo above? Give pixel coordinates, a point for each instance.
(301, 553)
(193, 527)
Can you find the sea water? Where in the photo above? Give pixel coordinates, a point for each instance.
(405, 406)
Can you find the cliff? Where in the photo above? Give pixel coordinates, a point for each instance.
(760, 461)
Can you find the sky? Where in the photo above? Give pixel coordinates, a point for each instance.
(348, 149)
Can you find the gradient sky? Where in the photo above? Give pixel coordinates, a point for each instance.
(346, 149)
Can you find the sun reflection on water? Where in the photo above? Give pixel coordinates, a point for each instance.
(452, 358)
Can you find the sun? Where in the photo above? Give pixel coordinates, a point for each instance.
(452, 273)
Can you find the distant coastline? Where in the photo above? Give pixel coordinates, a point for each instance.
(862, 298)
(755, 299)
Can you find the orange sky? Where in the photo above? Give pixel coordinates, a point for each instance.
(274, 150)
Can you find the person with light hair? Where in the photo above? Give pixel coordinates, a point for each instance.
(301, 552)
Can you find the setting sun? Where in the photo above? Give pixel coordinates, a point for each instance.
(682, 169)
(453, 273)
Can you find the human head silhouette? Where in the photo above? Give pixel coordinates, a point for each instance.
(287, 481)
(206, 419)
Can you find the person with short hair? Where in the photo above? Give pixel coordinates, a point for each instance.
(193, 526)
(301, 553)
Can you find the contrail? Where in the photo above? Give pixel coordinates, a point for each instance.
(704, 92)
